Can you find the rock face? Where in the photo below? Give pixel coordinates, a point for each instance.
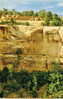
(40, 46)
(56, 34)
(46, 45)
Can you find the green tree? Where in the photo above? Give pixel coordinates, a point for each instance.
(34, 85)
(5, 75)
(49, 15)
(1, 94)
(23, 78)
(56, 22)
(12, 21)
(48, 18)
(14, 12)
(36, 14)
(5, 11)
(42, 13)
(55, 82)
(55, 16)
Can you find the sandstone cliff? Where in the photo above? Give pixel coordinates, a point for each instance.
(40, 46)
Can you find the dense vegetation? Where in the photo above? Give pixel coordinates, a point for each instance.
(47, 17)
(36, 84)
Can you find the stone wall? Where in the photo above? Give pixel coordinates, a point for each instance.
(42, 47)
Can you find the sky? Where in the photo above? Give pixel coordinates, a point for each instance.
(55, 6)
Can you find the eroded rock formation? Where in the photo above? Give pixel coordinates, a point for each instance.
(40, 47)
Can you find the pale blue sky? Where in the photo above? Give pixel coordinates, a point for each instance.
(51, 5)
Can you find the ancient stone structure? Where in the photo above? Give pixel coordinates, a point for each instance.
(40, 45)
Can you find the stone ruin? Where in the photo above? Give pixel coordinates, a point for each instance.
(40, 49)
